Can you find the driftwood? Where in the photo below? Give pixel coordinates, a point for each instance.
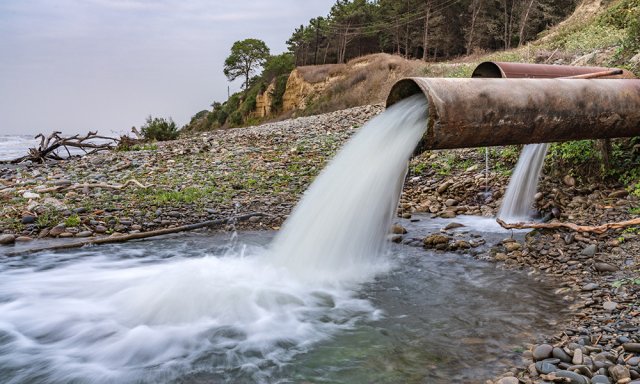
(140, 235)
(73, 187)
(49, 147)
(599, 229)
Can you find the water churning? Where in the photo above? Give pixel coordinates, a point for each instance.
(237, 316)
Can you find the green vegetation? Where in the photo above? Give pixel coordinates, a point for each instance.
(239, 109)
(139, 147)
(617, 26)
(72, 221)
(626, 281)
(246, 57)
(157, 128)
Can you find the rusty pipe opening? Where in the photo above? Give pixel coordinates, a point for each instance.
(467, 113)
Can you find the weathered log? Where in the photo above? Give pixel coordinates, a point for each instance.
(599, 229)
(136, 236)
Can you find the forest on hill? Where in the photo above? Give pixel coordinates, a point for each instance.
(367, 45)
(423, 29)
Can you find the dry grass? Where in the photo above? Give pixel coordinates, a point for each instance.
(364, 80)
(317, 73)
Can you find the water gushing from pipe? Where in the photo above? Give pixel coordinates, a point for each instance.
(339, 227)
(518, 199)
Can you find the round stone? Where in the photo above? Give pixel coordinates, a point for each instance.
(542, 352)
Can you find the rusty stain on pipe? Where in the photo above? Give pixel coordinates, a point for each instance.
(497, 69)
(467, 113)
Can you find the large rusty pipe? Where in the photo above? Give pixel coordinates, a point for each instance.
(467, 113)
(498, 69)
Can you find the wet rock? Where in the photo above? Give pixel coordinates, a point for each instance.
(451, 202)
(84, 234)
(28, 219)
(508, 380)
(633, 361)
(542, 352)
(434, 240)
(461, 244)
(631, 347)
(448, 214)
(395, 238)
(57, 230)
(100, 229)
(396, 229)
(619, 372)
(600, 379)
(66, 235)
(23, 238)
(589, 250)
(453, 225)
(560, 354)
(500, 256)
(604, 267)
(543, 367)
(590, 287)
(513, 246)
(573, 377)
(7, 239)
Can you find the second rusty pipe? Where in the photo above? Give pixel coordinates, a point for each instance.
(465, 113)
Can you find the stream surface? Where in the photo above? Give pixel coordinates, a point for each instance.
(204, 308)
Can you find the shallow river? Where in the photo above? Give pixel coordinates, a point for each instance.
(205, 308)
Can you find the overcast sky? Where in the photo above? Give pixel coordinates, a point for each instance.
(79, 65)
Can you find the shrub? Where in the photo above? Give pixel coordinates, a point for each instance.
(158, 128)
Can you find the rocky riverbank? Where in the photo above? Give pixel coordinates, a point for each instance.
(265, 169)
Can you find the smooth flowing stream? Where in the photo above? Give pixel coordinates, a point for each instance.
(327, 300)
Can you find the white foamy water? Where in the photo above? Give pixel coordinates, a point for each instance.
(236, 316)
(14, 146)
(518, 199)
(339, 227)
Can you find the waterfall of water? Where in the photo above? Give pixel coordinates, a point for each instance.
(121, 318)
(339, 227)
(486, 170)
(518, 199)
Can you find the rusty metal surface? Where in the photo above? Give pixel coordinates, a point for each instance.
(486, 112)
(497, 69)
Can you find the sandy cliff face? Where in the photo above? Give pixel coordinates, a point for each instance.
(296, 91)
(264, 101)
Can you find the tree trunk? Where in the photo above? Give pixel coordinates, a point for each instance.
(524, 23)
(425, 37)
(476, 5)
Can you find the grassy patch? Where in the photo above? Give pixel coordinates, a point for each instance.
(72, 221)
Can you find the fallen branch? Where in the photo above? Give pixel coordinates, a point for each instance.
(140, 235)
(94, 185)
(599, 229)
(48, 147)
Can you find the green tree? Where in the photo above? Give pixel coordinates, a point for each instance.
(246, 57)
(158, 128)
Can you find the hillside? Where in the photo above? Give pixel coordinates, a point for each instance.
(597, 33)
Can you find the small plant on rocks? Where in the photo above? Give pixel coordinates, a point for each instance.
(158, 128)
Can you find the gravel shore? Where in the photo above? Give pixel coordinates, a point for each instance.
(265, 169)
